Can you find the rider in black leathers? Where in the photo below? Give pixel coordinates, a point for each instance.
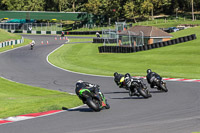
(125, 81)
(85, 85)
(151, 76)
(119, 80)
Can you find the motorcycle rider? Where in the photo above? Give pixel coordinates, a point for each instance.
(85, 85)
(119, 80)
(125, 81)
(32, 44)
(62, 34)
(151, 76)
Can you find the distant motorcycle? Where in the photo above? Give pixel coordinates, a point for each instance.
(94, 101)
(32, 45)
(62, 34)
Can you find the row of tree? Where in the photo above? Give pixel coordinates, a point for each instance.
(129, 9)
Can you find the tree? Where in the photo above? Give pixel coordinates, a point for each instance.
(34, 5)
(93, 6)
(192, 1)
(108, 9)
(130, 10)
(24, 5)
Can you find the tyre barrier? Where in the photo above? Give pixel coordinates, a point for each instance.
(123, 49)
(102, 40)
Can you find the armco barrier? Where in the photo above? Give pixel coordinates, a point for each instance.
(122, 49)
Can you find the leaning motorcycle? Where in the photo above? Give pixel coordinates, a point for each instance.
(94, 101)
(161, 85)
(138, 88)
(32, 46)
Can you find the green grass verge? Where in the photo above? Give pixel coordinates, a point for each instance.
(26, 41)
(5, 36)
(17, 99)
(177, 61)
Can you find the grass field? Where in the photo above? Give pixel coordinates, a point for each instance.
(18, 99)
(177, 61)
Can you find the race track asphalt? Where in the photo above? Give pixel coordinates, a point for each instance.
(177, 111)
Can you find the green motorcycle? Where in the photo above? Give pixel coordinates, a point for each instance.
(96, 102)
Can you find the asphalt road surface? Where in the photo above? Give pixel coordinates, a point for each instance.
(177, 111)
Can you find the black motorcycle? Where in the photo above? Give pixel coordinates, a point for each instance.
(94, 101)
(138, 88)
(160, 84)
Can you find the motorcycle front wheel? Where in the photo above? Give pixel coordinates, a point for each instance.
(163, 87)
(144, 92)
(93, 104)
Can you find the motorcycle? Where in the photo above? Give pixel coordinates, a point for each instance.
(160, 84)
(94, 101)
(62, 34)
(135, 86)
(138, 88)
(32, 45)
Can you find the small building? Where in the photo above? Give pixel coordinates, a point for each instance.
(142, 35)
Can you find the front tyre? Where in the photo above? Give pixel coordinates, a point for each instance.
(143, 92)
(163, 87)
(107, 105)
(93, 104)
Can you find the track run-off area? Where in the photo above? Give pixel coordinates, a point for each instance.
(177, 111)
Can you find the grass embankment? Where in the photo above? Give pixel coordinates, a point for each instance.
(177, 61)
(6, 36)
(18, 99)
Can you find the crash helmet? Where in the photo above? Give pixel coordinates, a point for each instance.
(78, 83)
(116, 74)
(148, 70)
(127, 75)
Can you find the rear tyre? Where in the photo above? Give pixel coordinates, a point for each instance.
(93, 104)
